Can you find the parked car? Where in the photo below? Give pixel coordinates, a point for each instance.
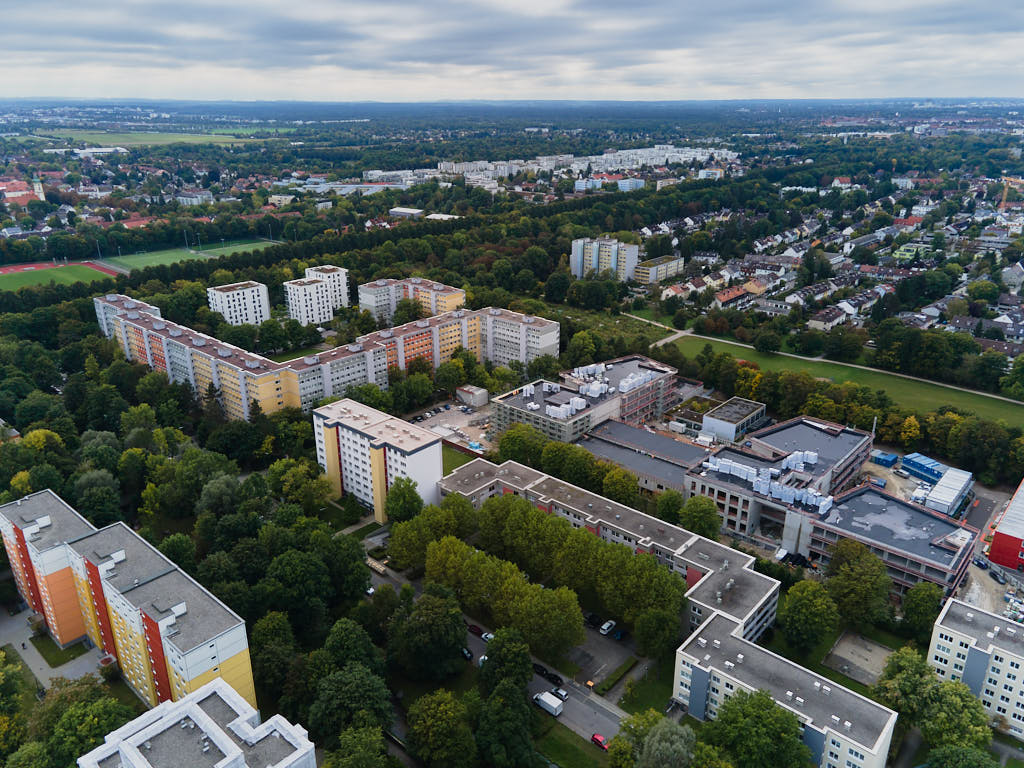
(592, 619)
(467, 654)
(370, 590)
(981, 563)
(901, 473)
(555, 679)
(621, 634)
(475, 630)
(540, 670)
(560, 693)
(607, 627)
(600, 740)
(997, 576)
(487, 637)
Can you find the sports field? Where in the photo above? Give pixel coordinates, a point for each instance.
(174, 255)
(138, 139)
(72, 273)
(918, 395)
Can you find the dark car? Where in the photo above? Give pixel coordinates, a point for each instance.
(467, 654)
(474, 629)
(592, 619)
(554, 678)
(540, 670)
(621, 634)
(981, 563)
(997, 576)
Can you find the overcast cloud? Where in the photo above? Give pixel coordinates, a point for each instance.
(408, 50)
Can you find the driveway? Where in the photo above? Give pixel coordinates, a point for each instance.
(14, 630)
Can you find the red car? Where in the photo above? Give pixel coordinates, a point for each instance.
(600, 740)
(475, 630)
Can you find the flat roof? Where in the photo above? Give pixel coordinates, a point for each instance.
(786, 681)
(545, 393)
(65, 522)
(868, 513)
(614, 371)
(479, 473)
(665, 472)
(734, 410)
(832, 442)
(376, 424)
(952, 484)
(1012, 523)
(981, 625)
(328, 269)
(653, 443)
(237, 286)
(302, 282)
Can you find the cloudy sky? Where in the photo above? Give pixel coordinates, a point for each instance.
(414, 50)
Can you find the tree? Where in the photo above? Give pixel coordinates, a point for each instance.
(657, 633)
(438, 732)
(581, 348)
(402, 502)
(557, 286)
(621, 485)
(359, 747)
(273, 647)
(668, 743)
(807, 615)
(352, 696)
(181, 550)
(449, 377)
(757, 733)
(347, 641)
(707, 756)
(910, 432)
(83, 726)
(624, 748)
(961, 757)
(921, 606)
(860, 589)
(767, 342)
(60, 697)
(954, 717)
(522, 443)
(503, 731)
(32, 754)
(427, 641)
(669, 504)
(508, 658)
(406, 311)
(700, 516)
(904, 686)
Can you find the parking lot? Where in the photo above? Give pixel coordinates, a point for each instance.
(455, 419)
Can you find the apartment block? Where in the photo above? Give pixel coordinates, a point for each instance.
(654, 271)
(363, 451)
(169, 635)
(985, 651)
(336, 279)
(212, 726)
(604, 255)
(240, 303)
(730, 606)
(380, 298)
(308, 301)
(244, 378)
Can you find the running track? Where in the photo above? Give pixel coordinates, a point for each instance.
(36, 266)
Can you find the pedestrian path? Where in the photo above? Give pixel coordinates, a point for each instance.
(15, 631)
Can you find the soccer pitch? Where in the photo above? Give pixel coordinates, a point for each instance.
(72, 273)
(174, 255)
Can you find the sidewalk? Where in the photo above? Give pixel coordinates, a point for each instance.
(14, 631)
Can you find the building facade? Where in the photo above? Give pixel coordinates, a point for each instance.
(240, 303)
(243, 378)
(337, 282)
(604, 255)
(363, 451)
(168, 634)
(1008, 538)
(380, 298)
(730, 606)
(212, 726)
(308, 301)
(654, 271)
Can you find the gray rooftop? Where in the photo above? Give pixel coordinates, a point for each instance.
(205, 617)
(869, 514)
(518, 398)
(723, 565)
(479, 473)
(734, 410)
(142, 562)
(623, 367)
(832, 443)
(268, 751)
(65, 522)
(652, 443)
(762, 669)
(982, 625)
(181, 743)
(664, 472)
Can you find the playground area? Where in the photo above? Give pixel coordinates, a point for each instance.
(858, 657)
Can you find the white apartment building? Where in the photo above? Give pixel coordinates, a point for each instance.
(240, 303)
(337, 282)
(604, 255)
(363, 451)
(308, 301)
(212, 726)
(506, 336)
(986, 652)
(380, 297)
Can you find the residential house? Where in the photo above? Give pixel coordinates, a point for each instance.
(826, 319)
(737, 296)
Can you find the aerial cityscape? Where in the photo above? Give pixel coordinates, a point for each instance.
(381, 394)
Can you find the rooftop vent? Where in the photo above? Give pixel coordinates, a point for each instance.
(159, 326)
(198, 342)
(847, 724)
(175, 332)
(252, 364)
(133, 315)
(223, 352)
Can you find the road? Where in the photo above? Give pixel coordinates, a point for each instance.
(585, 712)
(677, 334)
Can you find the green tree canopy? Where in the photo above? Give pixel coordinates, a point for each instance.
(807, 615)
(758, 733)
(438, 732)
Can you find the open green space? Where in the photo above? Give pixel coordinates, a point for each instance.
(234, 246)
(284, 357)
(918, 395)
(408, 691)
(120, 690)
(174, 255)
(617, 674)
(31, 685)
(452, 459)
(72, 273)
(55, 655)
(567, 749)
(603, 323)
(652, 690)
(366, 530)
(138, 138)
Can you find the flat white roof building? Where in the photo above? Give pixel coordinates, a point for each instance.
(213, 727)
(309, 301)
(337, 281)
(240, 303)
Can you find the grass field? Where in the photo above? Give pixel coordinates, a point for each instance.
(137, 139)
(652, 690)
(569, 750)
(906, 392)
(452, 459)
(174, 255)
(72, 273)
(55, 655)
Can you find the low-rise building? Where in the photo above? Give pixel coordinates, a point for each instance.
(826, 319)
(653, 271)
(212, 726)
(240, 303)
(733, 418)
(659, 462)
(727, 298)
(363, 451)
(405, 213)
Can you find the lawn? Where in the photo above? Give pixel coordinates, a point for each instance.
(138, 139)
(72, 273)
(154, 258)
(55, 655)
(234, 246)
(284, 357)
(604, 324)
(31, 685)
(408, 691)
(906, 392)
(120, 690)
(569, 750)
(366, 530)
(452, 459)
(648, 314)
(651, 691)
